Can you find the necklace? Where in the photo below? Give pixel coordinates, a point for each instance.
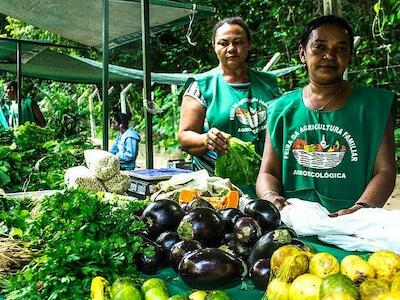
(319, 109)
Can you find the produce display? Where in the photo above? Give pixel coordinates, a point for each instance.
(81, 243)
(219, 192)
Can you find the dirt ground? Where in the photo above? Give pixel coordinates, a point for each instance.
(161, 159)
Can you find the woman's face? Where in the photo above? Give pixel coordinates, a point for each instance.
(327, 53)
(231, 45)
(114, 124)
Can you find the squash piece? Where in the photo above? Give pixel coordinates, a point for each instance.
(216, 202)
(232, 199)
(187, 195)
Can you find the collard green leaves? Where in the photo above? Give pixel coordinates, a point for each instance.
(240, 164)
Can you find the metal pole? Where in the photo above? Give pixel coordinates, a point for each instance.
(19, 83)
(145, 16)
(104, 88)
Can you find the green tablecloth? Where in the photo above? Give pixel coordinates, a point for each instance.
(177, 286)
(246, 290)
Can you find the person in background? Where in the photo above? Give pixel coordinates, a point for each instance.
(30, 109)
(331, 141)
(3, 116)
(231, 99)
(126, 144)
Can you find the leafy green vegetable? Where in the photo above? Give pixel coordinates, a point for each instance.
(240, 164)
(81, 235)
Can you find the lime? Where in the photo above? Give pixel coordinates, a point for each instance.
(198, 295)
(178, 297)
(156, 293)
(127, 292)
(218, 295)
(151, 283)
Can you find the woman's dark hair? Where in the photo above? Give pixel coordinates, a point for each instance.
(122, 119)
(232, 20)
(13, 84)
(330, 19)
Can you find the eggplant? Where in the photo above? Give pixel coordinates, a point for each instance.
(260, 273)
(237, 249)
(265, 213)
(247, 230)
(203, 225)
(179, 250)
(149, 264)
(230, 216)
(167, 239)
(211, 269)
(229, 237)
(268, 243)
(199, 202)
(162, 215)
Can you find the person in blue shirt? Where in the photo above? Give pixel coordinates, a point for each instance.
(126, 144)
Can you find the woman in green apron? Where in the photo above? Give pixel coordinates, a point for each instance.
(331, 141)
(230, 99)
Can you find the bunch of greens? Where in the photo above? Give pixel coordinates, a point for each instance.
(240, 164)
(32, 137)
(14, 214)
(80, 235)
(37, 162)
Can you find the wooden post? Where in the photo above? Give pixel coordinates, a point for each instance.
(122, 97)
(332, 7)
(357, 40)
(274, 59)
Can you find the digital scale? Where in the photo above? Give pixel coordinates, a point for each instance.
(143, 181)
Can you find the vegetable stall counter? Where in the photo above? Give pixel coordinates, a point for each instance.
(246, 290)
(176, 286)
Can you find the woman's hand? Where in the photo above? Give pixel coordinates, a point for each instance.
(217, 140)
(273, 197)
(346, 211)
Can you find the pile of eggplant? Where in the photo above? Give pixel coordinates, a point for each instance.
(212, 249)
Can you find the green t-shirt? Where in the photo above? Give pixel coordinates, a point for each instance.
(27, 112)
(237, 111)
(329, 156)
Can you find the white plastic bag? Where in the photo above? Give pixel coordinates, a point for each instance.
(102, 164)
(81, 177)
(367, 229)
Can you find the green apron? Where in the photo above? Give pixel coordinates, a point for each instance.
(329, 157)
(239, 112)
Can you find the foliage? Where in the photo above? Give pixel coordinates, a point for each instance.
(35, 161)
(64, 113)
(80, 235)
(13, 216)
(397, 139)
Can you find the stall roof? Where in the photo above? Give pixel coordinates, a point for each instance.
(81, 20)
(40, 62)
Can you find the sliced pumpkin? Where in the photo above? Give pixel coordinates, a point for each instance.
(232, 199)
(216, 202)
(187, 195)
